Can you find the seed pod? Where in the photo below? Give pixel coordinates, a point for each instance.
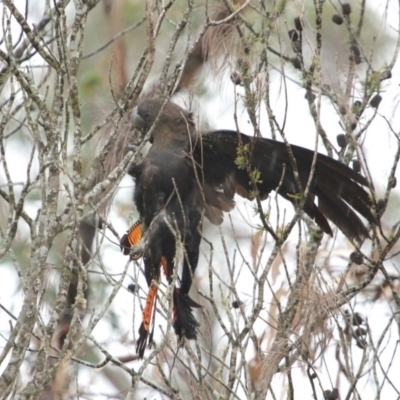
(293, 35)
(346, 9)
(380, 207)
(355, 50)
(296, 62)
(331, 394)
(356, 258)
(236, 304)
(357, 59)
(337, 19)
(393, 182)
(236, 78)
(356, 166)
(298, 24)
(353, 125)
(354, 318)
(360, 331)
(361, 343)
(334, 394)
(131, 288)
(341, 140)
(375, 101)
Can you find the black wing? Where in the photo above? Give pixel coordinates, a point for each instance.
(338, 188)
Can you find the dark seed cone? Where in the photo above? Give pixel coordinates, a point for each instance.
(360, 332)
(346, 9)
(357, 319)
(293, 35)
(356, 58)
(361, 342)
(355, 50)
(236, 78)
(331, 394)
(380, 207)
(341, 140)
(184, 323)
(375, 101)
(298, 24)
(296, 62)
(131, 288)
(337, 19)
(356, 258)
(236, 303)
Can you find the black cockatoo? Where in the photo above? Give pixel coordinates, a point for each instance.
(188, 174)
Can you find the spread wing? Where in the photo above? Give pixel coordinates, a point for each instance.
(222, 154)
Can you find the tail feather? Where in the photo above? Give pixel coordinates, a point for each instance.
(147, 320)
(184, 323)
(142, 340)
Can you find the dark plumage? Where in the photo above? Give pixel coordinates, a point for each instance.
(187, 174)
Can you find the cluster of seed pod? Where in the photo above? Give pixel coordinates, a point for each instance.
(346, 11)
(295, 36)
(357, 327)
(331, 394)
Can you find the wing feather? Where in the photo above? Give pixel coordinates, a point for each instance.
(339, 189)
